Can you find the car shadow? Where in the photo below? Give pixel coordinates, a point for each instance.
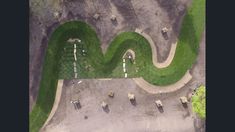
(185, 105)
(77, 106)
(161, 110)
(133, 102)
(165, 36)
(114, 22)
(106, 109)
(85, 117)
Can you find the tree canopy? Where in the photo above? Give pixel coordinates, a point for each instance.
(199, 102)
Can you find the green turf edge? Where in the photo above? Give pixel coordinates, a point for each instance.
(46, 95)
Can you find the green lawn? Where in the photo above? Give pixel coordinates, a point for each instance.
(58, 63)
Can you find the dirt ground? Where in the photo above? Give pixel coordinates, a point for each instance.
(150, 15)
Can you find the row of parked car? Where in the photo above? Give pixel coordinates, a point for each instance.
(132, 99)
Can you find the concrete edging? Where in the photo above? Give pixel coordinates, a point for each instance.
(56, 102)
(161, 89)
(171, 54)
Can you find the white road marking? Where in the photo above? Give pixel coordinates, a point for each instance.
(75, 59)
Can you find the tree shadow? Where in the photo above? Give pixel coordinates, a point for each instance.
(186, 114)
(125, 8)
(169, 6)
(199, 125)
(184, 28)
(70, 15)
(50, 29)
(175, 11)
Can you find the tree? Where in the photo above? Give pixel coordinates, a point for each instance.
(199, 102)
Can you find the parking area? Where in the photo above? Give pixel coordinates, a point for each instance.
(121, 115)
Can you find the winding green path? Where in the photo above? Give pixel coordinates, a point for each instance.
(108, 64)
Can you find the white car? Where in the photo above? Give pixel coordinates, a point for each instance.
(158, 103)
(131, 96)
